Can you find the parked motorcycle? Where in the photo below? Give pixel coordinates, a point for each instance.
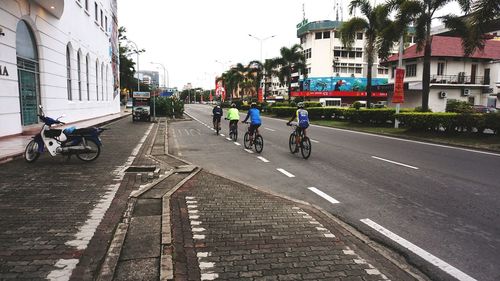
(84, 143)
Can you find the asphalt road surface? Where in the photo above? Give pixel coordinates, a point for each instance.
(438, 205)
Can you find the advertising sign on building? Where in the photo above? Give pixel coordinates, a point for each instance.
(349, 84)
(144, 95)
(399, 86)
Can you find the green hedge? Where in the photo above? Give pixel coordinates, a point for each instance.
(164, 107)
(365, 116)
(450, 122)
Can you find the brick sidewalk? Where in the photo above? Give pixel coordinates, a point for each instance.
(227, 231)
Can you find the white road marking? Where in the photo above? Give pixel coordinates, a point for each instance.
(394, 162)
(285, 173)
(222, 135)
(248, 150)
(420, 252)
(329, 235)
(237, 143)
(324, 195)
(228, 139)
(315, 141)
(198, 236)
(269, 129)
(263, 159)
(190, 197)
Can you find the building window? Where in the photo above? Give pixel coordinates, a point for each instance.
(78, 67)
(102, 81)
(326, 34)
(393, 71)
(336, 34)
(102, 20)
(68, 72)
(88, 76)
(97, 79)
(359, 36)
(308, 70)
(96, 12)
(106, 23)
(107, 83)
(440, 69)
(359, 54)
(307, 53)
(411, 70)
(318, 35)
(87, 5)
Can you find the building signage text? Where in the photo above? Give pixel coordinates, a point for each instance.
(3, 71)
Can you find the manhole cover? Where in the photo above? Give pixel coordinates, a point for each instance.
(140, 169)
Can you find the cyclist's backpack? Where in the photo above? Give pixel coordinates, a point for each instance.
(303, 118)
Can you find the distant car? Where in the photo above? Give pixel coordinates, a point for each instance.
(484, 109)
(129, 104)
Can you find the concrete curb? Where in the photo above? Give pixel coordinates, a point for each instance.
(166, 265)
(11, 157)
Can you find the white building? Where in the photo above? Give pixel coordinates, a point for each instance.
(334, 71)
(475, 79)
(60, 54)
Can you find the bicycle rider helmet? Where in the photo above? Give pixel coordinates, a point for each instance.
(253, 104)
(233, 105)
(300, 105)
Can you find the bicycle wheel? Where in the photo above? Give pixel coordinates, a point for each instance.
(92, 153)
(305, 148)
(31, 152)
(235, 134)
(246, 140)
(291, 143)
(217, 128)
(259, 143)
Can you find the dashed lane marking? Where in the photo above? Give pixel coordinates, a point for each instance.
(315, 141)
(248, 150)
(269, 129)
(324, 195)
(237, 143)
(394, 162)
(283, 171)
(459, 275)
(263, 159)
(228, 139)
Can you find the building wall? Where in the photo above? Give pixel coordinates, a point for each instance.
(75, 27)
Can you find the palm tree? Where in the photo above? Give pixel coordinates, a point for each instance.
(473, 26)
(421, 13)
(379, 34)
(291, 59)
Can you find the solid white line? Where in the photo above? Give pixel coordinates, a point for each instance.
(248, 150)
(315, 141)
(269, 129)
(286, 173)
(420, 252)
(397, 163)
(237, 143)
(263, 159)
(324, 195)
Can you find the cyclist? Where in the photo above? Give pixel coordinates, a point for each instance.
(302, 118)
(233, 115)
(217, 113)
(255, 122)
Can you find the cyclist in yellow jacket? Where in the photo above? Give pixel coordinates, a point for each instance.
(233, 115)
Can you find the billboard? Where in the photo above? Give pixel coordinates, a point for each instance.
(348, 84)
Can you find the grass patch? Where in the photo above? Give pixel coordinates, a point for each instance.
(478, 141)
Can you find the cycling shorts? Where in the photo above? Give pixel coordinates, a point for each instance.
(216, 118)
(253, 127)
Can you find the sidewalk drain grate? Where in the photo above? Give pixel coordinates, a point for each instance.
(140, 169)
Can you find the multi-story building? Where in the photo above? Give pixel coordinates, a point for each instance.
(150, 77)
(62, 55)
(475, 79)
(335, 73)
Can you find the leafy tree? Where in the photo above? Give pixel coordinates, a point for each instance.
(127, 65)
(379, 33)
(291, 60)
(421, 13)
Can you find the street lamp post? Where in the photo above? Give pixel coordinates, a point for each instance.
(166, 79)
(261, 41)
(137, 52)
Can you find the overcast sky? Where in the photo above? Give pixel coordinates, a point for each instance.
(189, 36)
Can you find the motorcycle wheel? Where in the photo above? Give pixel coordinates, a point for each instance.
(31, 152)
(91, 155)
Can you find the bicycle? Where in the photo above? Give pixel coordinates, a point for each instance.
(217, 126)
(248, 140)
(233, 130)
(304, 142)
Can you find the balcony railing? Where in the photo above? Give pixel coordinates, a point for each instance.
(459, 79)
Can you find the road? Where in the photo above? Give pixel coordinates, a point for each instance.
(436, 204)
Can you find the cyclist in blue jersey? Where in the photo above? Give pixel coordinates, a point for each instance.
(302, 118)
(255, 122)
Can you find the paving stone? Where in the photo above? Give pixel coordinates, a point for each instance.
(138, 269)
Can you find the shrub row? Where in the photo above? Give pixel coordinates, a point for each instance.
(450, 122)
(367, 116)
(168, 107)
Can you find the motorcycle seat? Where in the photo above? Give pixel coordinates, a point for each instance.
(52, 133)
(83, 131)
